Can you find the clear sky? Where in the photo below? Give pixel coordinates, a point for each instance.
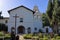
(6, 5)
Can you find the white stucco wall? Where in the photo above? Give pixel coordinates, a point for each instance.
(38, 20)
(28, 20)
(49, 29)
(22, 13)
(3, 21)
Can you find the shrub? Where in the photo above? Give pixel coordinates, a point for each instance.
(7, 36)
(58, 37)
(28, 36)
(1, 33)
(40, 35)
(35, 37)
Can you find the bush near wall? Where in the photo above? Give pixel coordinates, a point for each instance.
(1, 33)
(27, 36)
(41, 36)
(5, 36)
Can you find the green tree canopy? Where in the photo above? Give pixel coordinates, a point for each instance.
(53, 13)
(50, 9)
(45, 20)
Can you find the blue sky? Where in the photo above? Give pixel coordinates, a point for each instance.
(6, 5)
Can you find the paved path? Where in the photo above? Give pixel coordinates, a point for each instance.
(21, 37)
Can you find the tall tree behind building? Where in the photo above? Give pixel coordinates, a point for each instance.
(52, 11)
(49, 11)
(54, 17)
(45, 20)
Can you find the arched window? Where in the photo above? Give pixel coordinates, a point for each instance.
(29, 30)
(35, 28)
(6, 21)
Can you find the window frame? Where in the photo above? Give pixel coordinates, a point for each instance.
(21, 19)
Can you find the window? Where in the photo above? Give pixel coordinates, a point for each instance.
(6, 21)
(21, 19)
(35, 28)
(29, 30)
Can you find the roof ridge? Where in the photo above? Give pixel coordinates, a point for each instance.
(19, 7)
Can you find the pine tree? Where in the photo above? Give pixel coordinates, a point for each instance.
(54, 19)
(53, 13)
(49, 11)
(45, 20)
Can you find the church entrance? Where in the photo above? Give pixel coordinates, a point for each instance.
(21, 30)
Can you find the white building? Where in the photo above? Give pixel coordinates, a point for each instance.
(26, 20)
(3, 20)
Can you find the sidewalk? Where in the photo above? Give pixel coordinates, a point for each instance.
(21, 37)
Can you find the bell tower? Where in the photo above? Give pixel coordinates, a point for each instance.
(35, 9)
(37, 12)
(37, 17)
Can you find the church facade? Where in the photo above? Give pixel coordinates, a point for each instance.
(24, 20)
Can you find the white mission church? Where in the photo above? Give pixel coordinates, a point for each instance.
(25, 20)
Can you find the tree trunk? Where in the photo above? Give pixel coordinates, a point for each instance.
(55, 27)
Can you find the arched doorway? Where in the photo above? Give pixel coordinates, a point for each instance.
(21, 30)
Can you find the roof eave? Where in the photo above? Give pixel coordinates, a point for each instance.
(20, 6)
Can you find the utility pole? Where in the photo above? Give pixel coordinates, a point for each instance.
(15, 22)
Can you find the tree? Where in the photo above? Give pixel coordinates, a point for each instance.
(54, 19)
(49, 11)
(58, 16)
(45, 20)
(58, 13)
(53, 12)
